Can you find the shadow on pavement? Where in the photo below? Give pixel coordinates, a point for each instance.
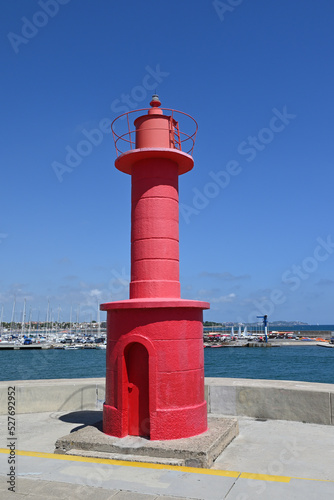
(84, 417)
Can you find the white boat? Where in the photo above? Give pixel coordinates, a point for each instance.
(327, 344)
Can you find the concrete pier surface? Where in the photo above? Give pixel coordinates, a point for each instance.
(274, 456)
(267, 460)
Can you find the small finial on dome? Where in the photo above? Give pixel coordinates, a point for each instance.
(155, 103)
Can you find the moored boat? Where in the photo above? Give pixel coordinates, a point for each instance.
(326, 344)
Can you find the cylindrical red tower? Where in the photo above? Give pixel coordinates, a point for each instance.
(155, 358)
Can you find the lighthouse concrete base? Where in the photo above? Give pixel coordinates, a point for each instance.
(198, 451)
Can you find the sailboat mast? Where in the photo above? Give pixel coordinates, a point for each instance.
(29, 322)
(1, 318)
(13, 315)
(78, 310)
(98, 320)
(51, 320)
(23, 318)
(58, 321)
(47, 321)
(71, 320)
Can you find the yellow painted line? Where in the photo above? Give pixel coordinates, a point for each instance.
(147, 465)
(279, 479)
(311, 479)
(109, 461)
(265, 477)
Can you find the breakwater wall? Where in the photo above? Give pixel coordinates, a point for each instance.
(263, 399)
(325, 334)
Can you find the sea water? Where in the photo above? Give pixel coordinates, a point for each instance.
(303, 363)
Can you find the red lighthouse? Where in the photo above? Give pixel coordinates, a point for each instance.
(155, 358)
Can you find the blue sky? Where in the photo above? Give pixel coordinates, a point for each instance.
(256, 212)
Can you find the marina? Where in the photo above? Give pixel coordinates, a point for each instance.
(261, 336)
(12, 346)
(306, 363)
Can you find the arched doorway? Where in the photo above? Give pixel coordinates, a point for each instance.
(137, 371)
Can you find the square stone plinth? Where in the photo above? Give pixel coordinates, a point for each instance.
(197, 451)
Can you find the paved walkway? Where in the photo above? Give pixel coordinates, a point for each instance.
(268, 460)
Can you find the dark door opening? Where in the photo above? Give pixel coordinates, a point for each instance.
(136, 360)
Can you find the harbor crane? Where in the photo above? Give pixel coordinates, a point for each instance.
(265, 324)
